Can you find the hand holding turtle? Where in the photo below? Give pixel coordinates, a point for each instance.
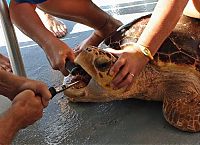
(129, 64)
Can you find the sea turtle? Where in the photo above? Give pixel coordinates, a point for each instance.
(173, 77)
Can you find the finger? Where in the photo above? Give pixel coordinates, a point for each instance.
(52, 31)
(2, 67)
(55, 29)
(71, 55)
(6, 68)
(114, 51)
(128, 87)
(61, 31)
(42, 102)
(116, 67)
(126, 82)
(5, 64)
(45, 94)
(58, 28)
(63, 28)
(58, 34)
(34, 101)
(61, 67)
(120, 76)
(64, 71)
(9, 67)
(39, 108)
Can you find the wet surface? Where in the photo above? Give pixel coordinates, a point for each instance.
(118, 122)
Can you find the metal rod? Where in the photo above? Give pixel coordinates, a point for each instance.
(11, 40)
(56, 90)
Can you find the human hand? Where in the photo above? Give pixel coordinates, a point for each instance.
(5, 63)
(129, 64)
(57, 52)
(27, 108)
(39, 88)
(11, 85)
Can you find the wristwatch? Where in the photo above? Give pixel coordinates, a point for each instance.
(145, 51)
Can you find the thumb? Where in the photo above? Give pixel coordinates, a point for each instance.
(114, 51)
(45, 94)
(71, 56)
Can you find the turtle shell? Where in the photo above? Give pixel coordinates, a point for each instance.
(182, 47)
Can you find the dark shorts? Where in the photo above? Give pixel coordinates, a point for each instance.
(31, 1)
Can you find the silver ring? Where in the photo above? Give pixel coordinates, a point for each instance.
(132, 74)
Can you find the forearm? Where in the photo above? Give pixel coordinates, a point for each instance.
(9, 84)
(26, 19)
(9, 126)
(162, 22)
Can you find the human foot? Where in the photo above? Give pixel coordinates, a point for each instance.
(98, 36)
(5, 63)
(55, 26)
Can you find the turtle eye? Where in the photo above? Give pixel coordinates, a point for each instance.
(102, 64)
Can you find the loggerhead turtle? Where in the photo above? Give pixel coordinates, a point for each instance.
(173, 77)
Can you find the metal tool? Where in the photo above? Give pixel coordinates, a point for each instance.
(69, 66)
(56, 90)
(74, 69)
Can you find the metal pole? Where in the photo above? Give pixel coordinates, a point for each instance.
(11, 41)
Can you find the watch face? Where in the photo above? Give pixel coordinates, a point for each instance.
(145, 51)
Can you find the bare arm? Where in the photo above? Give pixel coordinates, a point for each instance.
(27, 104)
(162, 22)
(8, 126)
(11, 85)
(26, 19)
(22, 113)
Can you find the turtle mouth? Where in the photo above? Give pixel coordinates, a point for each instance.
(79, 74)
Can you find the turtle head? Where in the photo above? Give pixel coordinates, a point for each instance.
(97, 63)
(93, 66)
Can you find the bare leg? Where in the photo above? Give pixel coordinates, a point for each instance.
(5, 64)
(57, 27)
(84, 12)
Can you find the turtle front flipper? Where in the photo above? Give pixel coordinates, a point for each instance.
(181, 103)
